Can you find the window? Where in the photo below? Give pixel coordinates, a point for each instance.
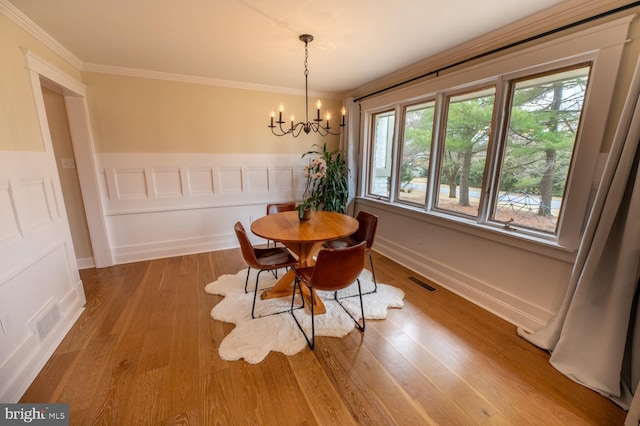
(541, 134)
(381, 144)
(507, 149)
(512, 177)
(464, 151)
(416, 152)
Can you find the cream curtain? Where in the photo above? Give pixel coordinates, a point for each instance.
(593, 338)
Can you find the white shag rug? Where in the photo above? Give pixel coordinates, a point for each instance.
(253, 339)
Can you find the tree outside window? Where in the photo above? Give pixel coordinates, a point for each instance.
(464, 152)
(416, 150)
(543, 125)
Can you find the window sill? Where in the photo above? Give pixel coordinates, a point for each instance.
(512, 237)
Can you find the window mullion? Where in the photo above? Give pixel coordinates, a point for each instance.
(494, 152)
(395, 153)
(436, 152)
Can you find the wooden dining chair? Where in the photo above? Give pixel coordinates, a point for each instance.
(334, 270)
(274, 208)
(262, 259)
(367, 225)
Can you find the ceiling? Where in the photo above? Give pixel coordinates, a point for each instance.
(256, 42)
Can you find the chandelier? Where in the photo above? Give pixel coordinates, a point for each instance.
(308, 126)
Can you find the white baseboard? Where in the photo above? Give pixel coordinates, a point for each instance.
(160, 250)
(86, 263)
(512, 309)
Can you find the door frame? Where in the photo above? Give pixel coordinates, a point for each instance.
(83, 146)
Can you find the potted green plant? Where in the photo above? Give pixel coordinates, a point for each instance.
(327, 187)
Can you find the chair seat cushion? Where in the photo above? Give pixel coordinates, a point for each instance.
(340, 243)
(275, 256)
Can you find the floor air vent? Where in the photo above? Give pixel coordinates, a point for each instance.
(423, 284)
(46, 320)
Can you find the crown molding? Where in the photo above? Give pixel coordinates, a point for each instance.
(20, 19)
(554, 17)
(206, 81)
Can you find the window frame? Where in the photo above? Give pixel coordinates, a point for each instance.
(441, 141)
(601, 46)
(391, 160)
(401, 135)
(509, 86)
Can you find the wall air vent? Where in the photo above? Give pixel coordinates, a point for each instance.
(46, 320)
(423, 284)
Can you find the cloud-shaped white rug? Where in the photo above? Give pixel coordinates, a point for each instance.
(253, 339)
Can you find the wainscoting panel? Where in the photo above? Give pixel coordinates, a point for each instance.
(257, 179)
(32, 204)
(130, 184)
(172, 204)
(230, 180)
(41, 294)
(282, 179)
(167, 183)
(9, 228)
(199, 182)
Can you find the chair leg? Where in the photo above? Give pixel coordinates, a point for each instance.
(375, 282)
(311, 343)
(255, 297)
(293, 297)
(360, 327)
(247, 279)
(373, 272)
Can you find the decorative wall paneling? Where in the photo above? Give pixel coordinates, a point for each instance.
(160, 205)
(41, 294)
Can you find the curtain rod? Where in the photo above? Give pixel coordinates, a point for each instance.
(508, 46)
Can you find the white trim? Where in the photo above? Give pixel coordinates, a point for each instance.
(602, 44)
(547, 20)
(38, 65)
(515, 310)
(205, 81)
(84, 151)
(166, 249)
(86, 263)
(82, 140)
(20, 19)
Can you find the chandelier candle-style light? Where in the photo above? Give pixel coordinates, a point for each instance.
(308, 126)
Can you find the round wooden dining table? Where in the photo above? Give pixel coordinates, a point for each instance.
(304, 239)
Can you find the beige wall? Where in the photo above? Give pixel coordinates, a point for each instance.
(130, 114)
(19, 128)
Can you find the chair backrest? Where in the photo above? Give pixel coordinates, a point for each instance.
(280, 207)
(336, 269)
(367, 225)
(248, 253)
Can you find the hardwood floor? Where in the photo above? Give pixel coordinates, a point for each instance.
(145, 352)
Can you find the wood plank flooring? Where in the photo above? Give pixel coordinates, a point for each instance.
(144, 352)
